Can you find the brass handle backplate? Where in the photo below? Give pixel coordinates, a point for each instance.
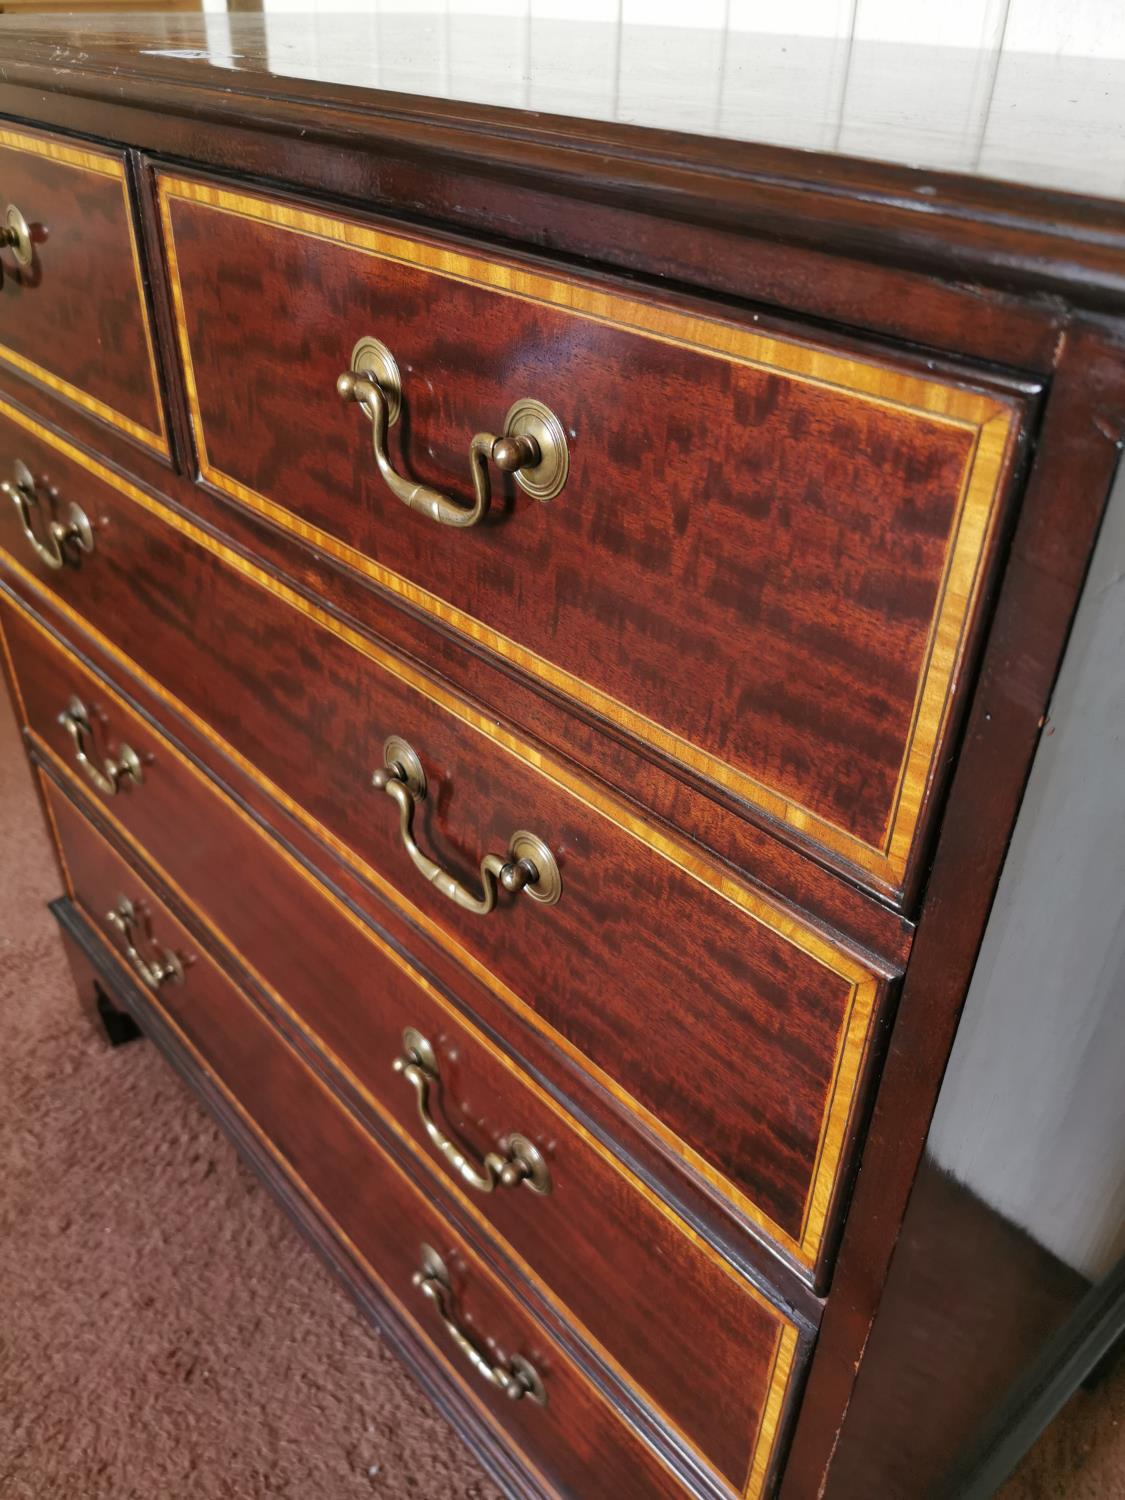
(518, 1162)
(532, 445)
(161, 966)
(516, 1377)
(62, 541)
(15, 235)
(113, 770)
(530, 866)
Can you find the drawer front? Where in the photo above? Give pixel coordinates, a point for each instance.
(75, 317)
(648, 1292)
(734, 1033)
(381, 1217)
(765, 559)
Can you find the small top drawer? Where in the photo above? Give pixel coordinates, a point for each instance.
(765, 555)
(73, 314)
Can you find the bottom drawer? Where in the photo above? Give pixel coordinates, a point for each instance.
(519, 1380)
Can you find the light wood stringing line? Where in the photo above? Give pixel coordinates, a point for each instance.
(935, 401)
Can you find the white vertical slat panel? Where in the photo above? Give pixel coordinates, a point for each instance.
(953, 23)
(706, 15)
(672, 74)
(575, 56)
(826, 19)
(920, 80)
(1058, 96)
(488, 50)
(410, 45)
(1067, 28)
(784, 89)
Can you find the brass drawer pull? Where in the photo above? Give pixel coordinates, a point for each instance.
(517, 1377)
(530, 865)
(162, 966)
(15, 235)
(520, 1162)
(109, 775)
(62, 542)
(532, 446)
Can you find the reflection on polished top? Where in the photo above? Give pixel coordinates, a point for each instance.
(1040, 118)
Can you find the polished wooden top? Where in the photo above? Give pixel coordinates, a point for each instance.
(978, 164)
(1043, 119)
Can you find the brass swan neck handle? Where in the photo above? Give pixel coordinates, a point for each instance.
(532, 445)
(529, 866)
(516, 1377)
(15, 235)
(61, 541)
(161, 965)
(113, 770)
(519, 1162)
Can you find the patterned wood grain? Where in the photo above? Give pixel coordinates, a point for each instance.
(767, 554)
(644, 1285)
(739, 1035)
(948, 266)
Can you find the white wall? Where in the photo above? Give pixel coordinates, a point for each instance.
(1032, 1111)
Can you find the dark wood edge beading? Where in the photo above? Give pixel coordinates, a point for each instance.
(1084, 430)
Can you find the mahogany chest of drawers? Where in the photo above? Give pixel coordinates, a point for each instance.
(532, 634)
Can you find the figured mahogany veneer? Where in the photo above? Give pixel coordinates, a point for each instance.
(327, 1152)
(682, 989)
(86, 337)
(646, 1287)
(766, 676)
(766, 558)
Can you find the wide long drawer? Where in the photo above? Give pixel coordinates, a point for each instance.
(764, 560)
(647, 1290)
(564, 1427)
(73, 314)
(735, 1034)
